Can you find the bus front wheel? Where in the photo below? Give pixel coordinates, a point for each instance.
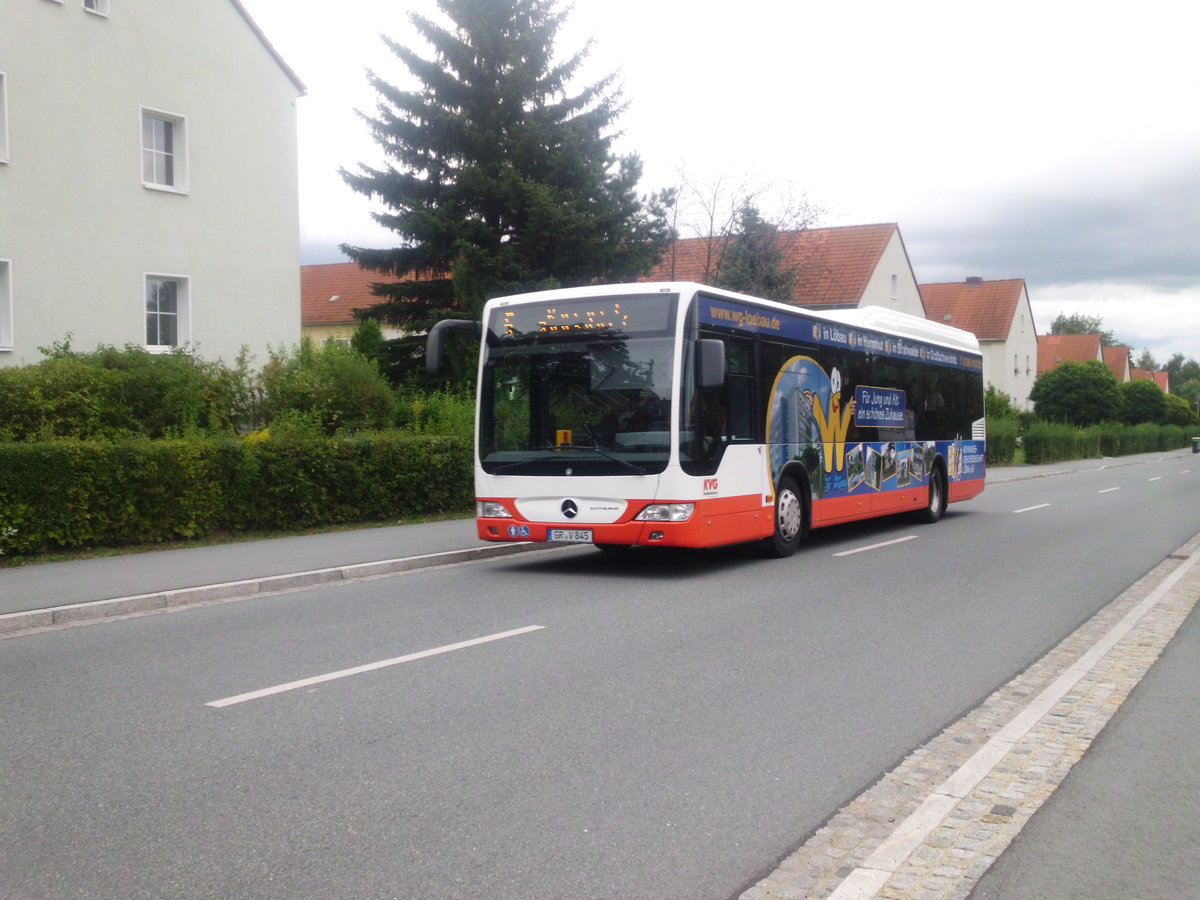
(789, 520)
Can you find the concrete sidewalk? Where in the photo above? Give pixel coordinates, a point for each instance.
(40, 595)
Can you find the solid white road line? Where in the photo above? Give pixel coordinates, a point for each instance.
(911, 537)
(1031, 508)
(369, 667)
(867, 879)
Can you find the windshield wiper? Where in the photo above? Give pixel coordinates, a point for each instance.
(632, 467)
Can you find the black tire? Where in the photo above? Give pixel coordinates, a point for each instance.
(791, 511)
(936, 505)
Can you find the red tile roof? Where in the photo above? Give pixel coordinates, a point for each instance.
(984, 308)
(1162, 379)
(1117, 359)
(833, 265)
(1055, 349)
(330, 293)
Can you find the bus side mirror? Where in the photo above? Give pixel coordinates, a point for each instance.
(435, 341)
(710, 363)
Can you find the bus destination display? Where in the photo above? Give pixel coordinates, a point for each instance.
(650, 314)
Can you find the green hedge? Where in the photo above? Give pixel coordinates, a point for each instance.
(1002, 441)
(1047, 442)
(75, 494)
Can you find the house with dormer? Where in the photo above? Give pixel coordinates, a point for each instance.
(330, 296)
(1000, 316)
(148, 179)
(835, 268)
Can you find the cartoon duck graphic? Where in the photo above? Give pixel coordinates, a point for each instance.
(835, 423)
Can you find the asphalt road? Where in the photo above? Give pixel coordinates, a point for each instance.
(676, 723)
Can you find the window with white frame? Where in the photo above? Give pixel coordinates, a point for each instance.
(3, 119)
(164, 150)
(6, 306)
(168, 311)
(100, 7)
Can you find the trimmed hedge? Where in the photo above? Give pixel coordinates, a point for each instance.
(1047, 442)
(74, 494)
(1002, 441)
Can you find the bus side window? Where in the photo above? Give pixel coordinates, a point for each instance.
(740, 390)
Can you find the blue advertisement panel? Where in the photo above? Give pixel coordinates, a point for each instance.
(809, 420)
(876, 407)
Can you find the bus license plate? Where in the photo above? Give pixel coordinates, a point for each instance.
(570, 535)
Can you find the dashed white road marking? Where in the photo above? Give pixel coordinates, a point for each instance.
(369, 667)
(1108, 490)
(1031, 508)
(911, 537)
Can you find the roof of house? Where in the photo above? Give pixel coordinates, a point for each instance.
(984, 308)
(1117, 360)
(330, 293)
(833, 265)
(1056, 349)
(1162, 379)
(287, 70)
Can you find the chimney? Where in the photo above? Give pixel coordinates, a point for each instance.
(974, 280)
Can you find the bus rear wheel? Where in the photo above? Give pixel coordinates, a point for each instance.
(937, 497)
(789, 520)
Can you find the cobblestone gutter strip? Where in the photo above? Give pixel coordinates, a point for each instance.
(931, 827)
(12, 624)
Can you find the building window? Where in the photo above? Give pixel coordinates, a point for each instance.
(168, 311)
(6, 308)
(99, 7)
(895, 287)
(3, 119)
(164, 150)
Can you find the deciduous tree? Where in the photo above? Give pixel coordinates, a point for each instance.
(1142, 401)
(1077, 393)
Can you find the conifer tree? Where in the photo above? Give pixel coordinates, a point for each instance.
(499, 178)
(753, 260)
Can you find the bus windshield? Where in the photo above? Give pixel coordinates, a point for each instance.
(594, 399)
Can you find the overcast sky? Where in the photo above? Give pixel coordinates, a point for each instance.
(1057, 142)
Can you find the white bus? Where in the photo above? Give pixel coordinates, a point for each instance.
(681, 415)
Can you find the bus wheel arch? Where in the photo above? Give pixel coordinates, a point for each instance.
(793, 513)
(935, 506)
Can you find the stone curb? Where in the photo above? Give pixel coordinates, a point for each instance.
(1011, 474)
(16, 623)
(969, 829)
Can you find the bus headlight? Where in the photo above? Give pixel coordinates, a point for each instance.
(666, 512)
(490, 509)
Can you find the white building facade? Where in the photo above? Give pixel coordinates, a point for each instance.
(148, 179)
(892, 283)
